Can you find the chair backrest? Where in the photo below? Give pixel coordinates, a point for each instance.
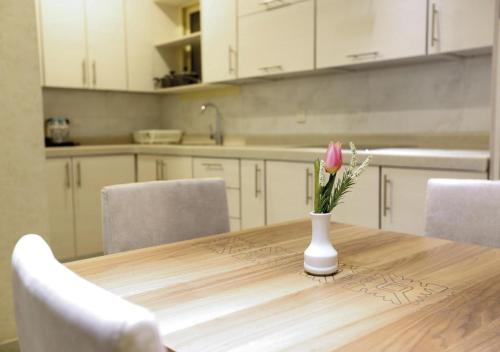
(464, 211)
(139, 215)
(58, 311)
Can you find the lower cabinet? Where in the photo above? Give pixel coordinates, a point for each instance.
(289, 190)
(290, 195)
(161, 167)
(402, 202)
(253, 194)
(229, 171)
(74, 189)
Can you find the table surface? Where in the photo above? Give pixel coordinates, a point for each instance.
(247, 291)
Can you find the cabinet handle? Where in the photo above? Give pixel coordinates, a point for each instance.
(78, 175)
(267, 3)
(257, 190)
(435, 12)
(84, 72)
(230, 52)
(67, 181)
(269, 68)
(157, 170)
(213, 166)
(94, 73)
(361, 55)
(308, 175)
(387, 183)
(162, 168)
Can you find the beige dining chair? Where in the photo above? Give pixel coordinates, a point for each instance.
(464, 211)
(139, 215)
(58, 311)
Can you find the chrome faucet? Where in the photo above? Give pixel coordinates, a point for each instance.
(217, 134)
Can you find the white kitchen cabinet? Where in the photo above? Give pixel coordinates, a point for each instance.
(91, 174)
(63, 43)
(289, 190)
(361, 205)
(359, 31)
(229, 171)
(279, 39)
(458, 25)
(106, 44)
(290, 195)
(403, 193)
(253, 194)
(74, 193)
(61, 215)
(161, 167)
(139, 34)
(218, 42)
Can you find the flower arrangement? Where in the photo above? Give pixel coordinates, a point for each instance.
(328, 193)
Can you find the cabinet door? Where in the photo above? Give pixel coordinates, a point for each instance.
(148, 168)
(106, 44)
(139, 45)
(277, 40)
(253, 197)
(175, 168)
(403, 196)
(356, 31)
(229, 171)
(289, 190)
(91, 175)
(60, 194)
(361, 205)
(62, 25)
(456, 25)
(218, 42)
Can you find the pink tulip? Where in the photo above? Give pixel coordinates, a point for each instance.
(333, 157)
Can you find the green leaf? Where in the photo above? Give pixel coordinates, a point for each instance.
(317, 188)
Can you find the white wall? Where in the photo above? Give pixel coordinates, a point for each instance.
(434, 97)
(98, 116)
(23, 206)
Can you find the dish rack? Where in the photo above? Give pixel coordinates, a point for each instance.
(157, 136)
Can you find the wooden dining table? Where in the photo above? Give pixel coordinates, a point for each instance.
(247, 290)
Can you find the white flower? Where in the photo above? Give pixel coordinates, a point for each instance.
(362, 167)
(323, 175)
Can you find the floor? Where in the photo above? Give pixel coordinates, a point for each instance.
(10, 347)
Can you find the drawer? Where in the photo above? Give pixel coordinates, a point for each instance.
(227, 169)
(247, 7)
(233, 202)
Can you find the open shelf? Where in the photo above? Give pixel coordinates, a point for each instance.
(189, 88)
(192, 38)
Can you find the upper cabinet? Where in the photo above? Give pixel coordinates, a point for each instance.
(458, 25)
(139, 34)
(275, 37)
(359, 31)
(87, 44)
(218, 43)
(63, 43)
(106, 44)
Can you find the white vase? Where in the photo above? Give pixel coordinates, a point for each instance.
(320, 258)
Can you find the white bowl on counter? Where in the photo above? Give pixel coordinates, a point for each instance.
(157, 136)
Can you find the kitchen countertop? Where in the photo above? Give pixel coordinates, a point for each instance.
(464, 160)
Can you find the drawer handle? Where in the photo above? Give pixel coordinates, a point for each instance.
(362, 55)
(270, 68)
(78, 175)
(213, 166)
(271, 2)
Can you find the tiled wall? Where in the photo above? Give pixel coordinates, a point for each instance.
(103, 116)
(441, 96)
